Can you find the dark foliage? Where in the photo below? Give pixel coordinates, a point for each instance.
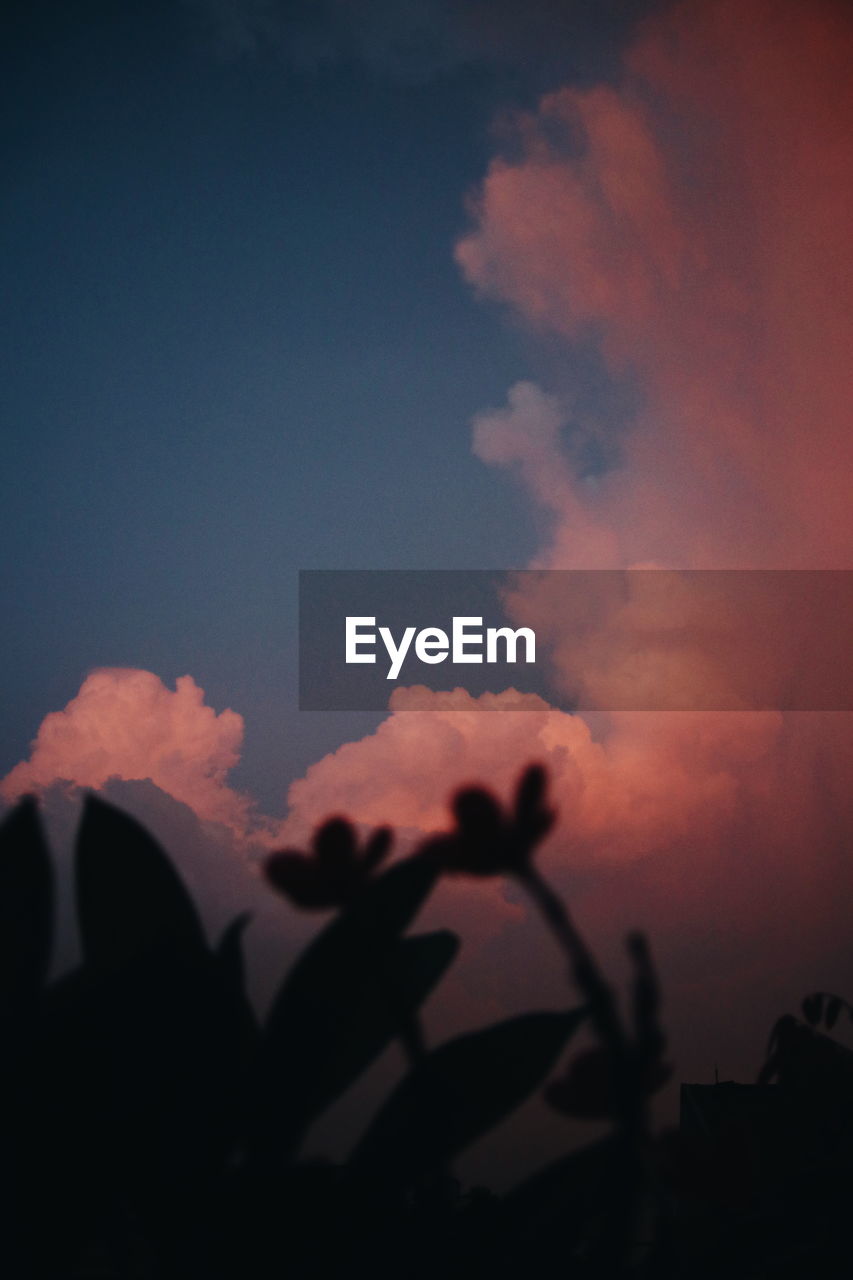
(151, 1129)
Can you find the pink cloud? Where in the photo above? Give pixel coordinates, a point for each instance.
(693, 220)
(650, 779)
(127, 724)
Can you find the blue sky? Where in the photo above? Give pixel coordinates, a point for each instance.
(237, 344)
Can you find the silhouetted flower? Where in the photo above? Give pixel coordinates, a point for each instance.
(334, 872)
(588, 1089)
(487, 841)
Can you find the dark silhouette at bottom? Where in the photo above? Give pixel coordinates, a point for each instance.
(151, 1128)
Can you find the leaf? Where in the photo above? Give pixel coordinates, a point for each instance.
(355, 941)
(425, 959)
(460, 1091)
(833, 1009)
(26, 909)
(813, 1008)
(230, 966)
(390, 901)
(153, 1073)
(130, 900)
(330, 1022)
(229, 952)
(139, 1072)
(386, 1004)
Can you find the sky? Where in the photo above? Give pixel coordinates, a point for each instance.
(431, 286)
(237, 346)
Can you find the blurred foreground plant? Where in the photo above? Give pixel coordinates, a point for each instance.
(152, 1127)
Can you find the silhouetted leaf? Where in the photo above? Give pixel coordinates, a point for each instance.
(26, 908)
(229, 951)
(229, 963)
(354, 941)
(130, 900)
(425, 959)
(813, 1008)
(391, 901)
(330, 1021)
(386, 1000)
(833, 1008)
(460, 1091)
(57, 1166)
(142, 1075)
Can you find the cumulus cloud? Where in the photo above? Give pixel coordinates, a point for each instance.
(692, 221)
(530, 437)
(125, 723)
(619, 798)
(689, 220)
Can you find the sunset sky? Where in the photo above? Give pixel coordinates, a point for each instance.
(433, 285)
(237, 341)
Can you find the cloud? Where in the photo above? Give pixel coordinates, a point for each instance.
(692, 222)
(126, 724)
(529, 437)
(650, 780)
(689, 221)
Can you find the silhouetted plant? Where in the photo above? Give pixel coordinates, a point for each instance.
(153, 1128)
(355, 987)
(614, 1079)
(487, 842)
(823, 1007)
(335, 872)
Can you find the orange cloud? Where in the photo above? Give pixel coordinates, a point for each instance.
(652, 779)
(693, 220)
(127, 724)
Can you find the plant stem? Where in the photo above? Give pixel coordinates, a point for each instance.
(582, 965)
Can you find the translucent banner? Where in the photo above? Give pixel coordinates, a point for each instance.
(603, 640)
